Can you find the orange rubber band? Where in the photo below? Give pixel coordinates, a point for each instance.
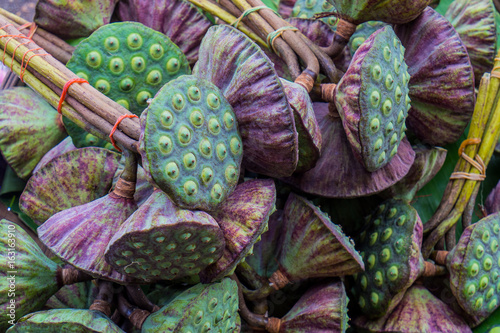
(7, 43)
(116, 126)
(14, 53)
(23, 69)
(467, 142)
(65, 90)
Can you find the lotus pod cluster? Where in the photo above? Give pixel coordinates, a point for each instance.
(363, 32)
(390, 247)
(161, 241)
(129, 63)
(61, 320)
(201, 308)
(308, 8)
(372, 99)
(190, 144)
(474, 267)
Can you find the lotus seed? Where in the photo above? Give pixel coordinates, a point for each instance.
(389, 82)
(130, 270)
(379, 279)
(190, 188)
(487, 264)
(231, 174)
(194, 93)
(206, 175)
(377, 222)
(401, 220)
(173, 65)
(483, 283)
(235, 145)
(356, 42)
(393, 273)
(394, 151)
(486, 236)
(490, 293)
(375, 98)
(165, 144)
(387, 54)
(494, 246)
(479, 251)
(159, 258)
(212, 249)
(392, 212)
(221, 151)
(82, 75)
(148, 251)
(378, 144)
(374, 298)
(116, 65)
(401, 117)
(377, 72)
(156, 51)
(498, 287)
(111, 44)
(214, 126)
(134, 41)
(174, 271)
(473, 269)
(371, 261)
(209, 261)
(364, 282)
(126, 84)
(479, 303)
(172, 170)
(216, 192)
(165, 264)
(381, 157)
(91, 139)
(184, 135)
(386, 234)
(471, 290)
(213, 101)
(121, 262)
(127, 253)
(373, 238)
(178, 102)
(397, 66)
(206, 239)
(375, 125)
(394, 139)
(198, 317)
(228, 120)
(385, 255)
(399, 245)
(196, 118)
(94, 59)
(138, 64)
(103, 86)
(389, 128)
(494, 276)
(160, 239)
(154, 77)
(387, 107)
(492, 305)
(143, 97)
(496, 228)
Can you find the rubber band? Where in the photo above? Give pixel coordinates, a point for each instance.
(116, 127)
(247, 12)
(467, 142)
(23, 69)
(7, 25)
(14, 53)
(65, 91)
(277, 33)
(478, 163)
(7, 43)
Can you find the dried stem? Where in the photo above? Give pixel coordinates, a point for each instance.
(254, 320)
(104, 298)
(134, 314)
(469, 209)
(329, 68)
(137, 296)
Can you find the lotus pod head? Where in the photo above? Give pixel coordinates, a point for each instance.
(362, 33)
(372, 99)
(161, 241)
(65, 320)
(332, 179)
(190, 144)
(246, 77)
(243, 218)
(475, 23)
(323, 308)
(312, 246)
(29, 277)
(72, 179)
(492, 204)
(80, 235)
(129, 63)
(201, 308)
(179, 20)
(392, 11)
(390, 247)
(29, 128)
(418, 311)
(73, 19)
(61, 148)
(308, 8)
(437, 58)
(143, 188)
(305, 122)
(73, 296)
(474, 268)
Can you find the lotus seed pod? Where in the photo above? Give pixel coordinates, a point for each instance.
(243, 218)
(161, 241)
(393, 11)
(438, 116)
(305, 123)
(372, 99)
(179, 20)
(74, 178)
(418, 311)
(475, 23)
(474, 268)
(129, 63)
(393, 260)
(306, 9)
(28, 276)
(73, 19)
(332, 179)
(29, 128)
(363, 32)
(61, 148)
(190, 145)
(201, 308)
(65, 320)
(323, 308)
(321, 250)
(248, 80)
(74, 296)
(492, 204)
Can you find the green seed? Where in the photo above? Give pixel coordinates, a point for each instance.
(228, 120)
(178, 102)
(184, 135)
(473, 269)
(116, 65)
(394, 139)
(389, 82)
(375, 125)
(378, 144)
(221, 151)
(393, 273)
(377, 72)
(91, 139)
(94, 59)
(156, 51)
(487, 264)
(375, 98)
(486, 236)
(207, 175)
(479, 303)
(401, 117)
(385, 255)
(364, 282)
(173, 65)
(154, 77)
(373, 238)
(379, 279)
(483, 283)
(126, 84)
(399, 245)
(214, 126)
(371, 261)
(494, 246)
(361, 302)
(194, 93)
(231, 174)
(138, 64)
(381, 157)
(398, 94)
(196, 118)
(167, 119)
(490, 293)
(213, 101)
(172, 170)
(189, 161)
(386, 234)
(387, 54)
(205, 148)
(492, 306)
(235, 146)
(216, 192)
(134, 41)
(401, 220)
(387, 107)
(165, 144)
(103, 86)
(470, 290)
(111, 44)
(143, 97)
(479, 251)
(389, 128)
(374, 298)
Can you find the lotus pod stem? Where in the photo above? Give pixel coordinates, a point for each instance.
(140, 299)
(136, 316)
(70, 275)
(104, 298)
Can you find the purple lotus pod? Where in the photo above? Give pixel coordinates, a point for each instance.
(29, 127)
(390, 247)
(71, 179)
(428, 162)
(143, 188)
(286, 7)
(62, 147)
(492, 204)
(246, 77)
(338, 174)
(418, 311)
(72, 18)
(161, 241)
(437, 58)
(182, 22)
(323, 308)
(473, 267)
(80, 235)
(312, 246)
(62, 320)
(73, 296)
(392, 11)
(475, 23)
(243, 218)
(305, 123)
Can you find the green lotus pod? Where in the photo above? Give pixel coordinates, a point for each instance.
(29, 127)
(308, 8)
(161, 295)
(363, 32)
(65, 320)
(372, 99)
(474, 268)
(71, 179)
(475, 23)
(201, 308)
(243, 218)
(129, 63)
(190, 144)
(161, 241)
(390, 247)
(312, 246)
(418, 311)
(74, 296)
(28, 277)
(305, 122)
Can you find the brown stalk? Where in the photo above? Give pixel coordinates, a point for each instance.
(439, 257)
(135, 315)
(70, 275)
(104, 298)
(137, 296)
(340, 38)
(254, 320)
(329, 68)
